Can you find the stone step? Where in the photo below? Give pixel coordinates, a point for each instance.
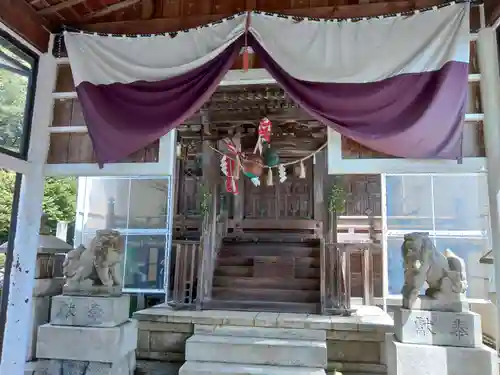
(274, 295)
(264, 306)
(211, 368)
(305, 261)
(260, 332)
(259, 249)
(256, 351)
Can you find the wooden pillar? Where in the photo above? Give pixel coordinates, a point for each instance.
(19, 308)
(319, 173)
(238, 205)
(490, 97)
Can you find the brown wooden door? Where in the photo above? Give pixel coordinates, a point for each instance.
(292, 199)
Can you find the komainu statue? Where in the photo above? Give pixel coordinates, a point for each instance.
(444, 273)
(100, 264)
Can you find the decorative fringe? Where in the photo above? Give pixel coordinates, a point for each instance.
(302, 173)
(282, 173)
(223, 165)
(270, 177)
(314, 159)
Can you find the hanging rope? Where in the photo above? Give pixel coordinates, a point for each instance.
(301, 160)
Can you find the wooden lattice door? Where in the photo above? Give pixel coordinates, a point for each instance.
(292, 199)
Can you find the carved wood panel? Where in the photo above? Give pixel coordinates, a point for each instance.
(363, 193)
(291, 199)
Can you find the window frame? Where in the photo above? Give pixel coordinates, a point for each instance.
(433, 234)
(126, 232)
(26, 54)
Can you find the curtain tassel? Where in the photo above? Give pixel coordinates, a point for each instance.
(302, 173)
(270, 177)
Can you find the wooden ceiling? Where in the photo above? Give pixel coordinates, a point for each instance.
(40, 17)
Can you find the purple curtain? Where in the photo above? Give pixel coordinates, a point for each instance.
(418, 115)
(123, 118)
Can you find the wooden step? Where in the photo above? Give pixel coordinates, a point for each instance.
(274, 295)
(269, 250)
(247, 271)
(249, 261)
(265, 306)
(266, 283)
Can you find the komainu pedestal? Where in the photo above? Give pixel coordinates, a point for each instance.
(90, 332)
(436, 334)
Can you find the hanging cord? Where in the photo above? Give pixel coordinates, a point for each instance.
(312, 154)
(245, 51)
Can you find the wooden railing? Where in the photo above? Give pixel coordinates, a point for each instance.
(186, 258)
(214, 229)
(336, 277)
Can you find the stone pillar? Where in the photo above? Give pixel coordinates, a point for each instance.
(22, 281)
(90, 332)
(490, 98)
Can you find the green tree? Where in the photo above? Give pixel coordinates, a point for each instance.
(13, 94)
(59, 202)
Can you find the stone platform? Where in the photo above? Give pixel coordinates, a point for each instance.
(354, 345)
(412, 359)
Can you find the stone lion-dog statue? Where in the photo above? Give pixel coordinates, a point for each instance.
(444, 272)
(99, 264)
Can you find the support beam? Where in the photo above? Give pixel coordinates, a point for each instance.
(59, 6)
(492, 11)
(490, 97)
(175, 23)
(22, 272)
(22, 19)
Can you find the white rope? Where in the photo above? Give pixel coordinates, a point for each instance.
(284, 164)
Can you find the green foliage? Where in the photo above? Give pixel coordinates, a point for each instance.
(13, 94)
(59, 202)
(205, 198)
(336, 199)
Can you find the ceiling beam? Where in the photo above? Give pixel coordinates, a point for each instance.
(58, 7)
(23, 20)
(110, 9)
(175, 23)
(492, 11)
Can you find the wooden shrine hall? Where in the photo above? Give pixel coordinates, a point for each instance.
(259, 159)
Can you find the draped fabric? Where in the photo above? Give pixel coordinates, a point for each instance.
(397, 85)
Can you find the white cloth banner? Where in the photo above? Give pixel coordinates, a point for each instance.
(367, 50)
(319, 51)
(101, 59)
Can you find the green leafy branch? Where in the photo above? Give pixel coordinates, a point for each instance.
(205, 198)
(336, 199)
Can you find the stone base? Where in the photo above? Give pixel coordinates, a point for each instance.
(461, 329)
(40, 315)
(411, 359)
(93, 344)
(125, 366)
(431, 304)
(89, 311)
(48, 287)
(92, 290)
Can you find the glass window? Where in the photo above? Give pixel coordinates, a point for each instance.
(453, 209)
(139, 208)
(17, 73)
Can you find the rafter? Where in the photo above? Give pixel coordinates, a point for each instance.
(110, 9)
(167, 24)
(22, 19)
(58, 7)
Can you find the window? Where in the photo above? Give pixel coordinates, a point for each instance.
(17, 77)
(139, 208)
(452, 208)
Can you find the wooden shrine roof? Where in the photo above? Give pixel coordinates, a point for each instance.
(35, 19)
